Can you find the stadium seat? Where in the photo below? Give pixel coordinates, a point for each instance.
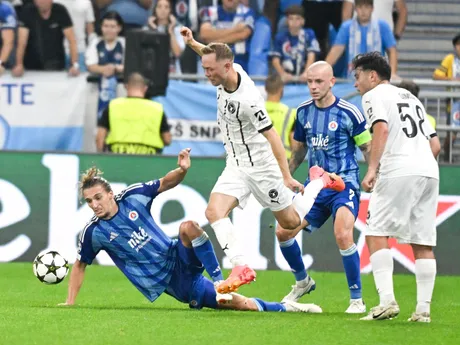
(260, 47)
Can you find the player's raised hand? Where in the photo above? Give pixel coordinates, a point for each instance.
(183, 160)
(294, 185)
(187, 34)
(368, 182)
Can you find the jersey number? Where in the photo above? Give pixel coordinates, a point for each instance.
(412, 128)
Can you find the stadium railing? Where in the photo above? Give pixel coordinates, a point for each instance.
(434, 94)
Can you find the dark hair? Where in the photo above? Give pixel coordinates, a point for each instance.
(112, 15)
(154, 9)
(364, 2)
(456, 40)
(273, 83)
(373, 61)
(410, 86)
(93, 177)
(295, 10)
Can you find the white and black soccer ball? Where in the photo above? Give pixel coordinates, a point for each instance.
(50, 267)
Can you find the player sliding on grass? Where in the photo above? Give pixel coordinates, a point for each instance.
(153, 262)
(256, 160)
(330, 129)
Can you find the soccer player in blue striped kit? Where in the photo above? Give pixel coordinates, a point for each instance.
(330, 129)
(152, 261)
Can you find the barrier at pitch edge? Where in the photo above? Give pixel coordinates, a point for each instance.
(41, 210)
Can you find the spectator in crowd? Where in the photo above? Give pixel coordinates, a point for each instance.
(187, 13)
(43, 26)
(319, 14)
(363, 35)
(162, 20)
(8, 25)
(296, 49)
(82, 15)
(133, 12)
(231, 23)
(383, 9)
(450, 70)
(105, 57)
(414, 89)
(282, 116)
(133, 124)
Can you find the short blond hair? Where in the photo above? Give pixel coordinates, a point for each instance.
(222, 51)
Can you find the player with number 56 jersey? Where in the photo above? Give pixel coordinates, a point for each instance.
(403, 177)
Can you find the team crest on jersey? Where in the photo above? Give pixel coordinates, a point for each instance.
(231, 107)
(118, 56)
(133, 215)
(333, 125)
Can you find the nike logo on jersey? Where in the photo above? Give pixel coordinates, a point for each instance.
(320, 142)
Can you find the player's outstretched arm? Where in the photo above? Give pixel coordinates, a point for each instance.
(174, 177)
(280, 154)
(76, 279)
(299, 150)
(187, 35)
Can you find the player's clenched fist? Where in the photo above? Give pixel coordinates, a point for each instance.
(183, 160)
(294, 185)
(187, 34)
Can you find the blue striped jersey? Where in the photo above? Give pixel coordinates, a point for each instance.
(329, 134)
(136, 244)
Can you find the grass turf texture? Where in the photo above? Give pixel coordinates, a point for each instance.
(111, 311)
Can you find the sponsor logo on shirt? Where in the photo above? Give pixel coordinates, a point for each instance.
(139, 239)
(320, 142)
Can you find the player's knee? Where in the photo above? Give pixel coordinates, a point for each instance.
(343, 236)
(283, 235)
(289, 224)
(189, 229)
(213, 214)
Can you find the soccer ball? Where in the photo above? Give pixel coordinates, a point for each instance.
(50, 267)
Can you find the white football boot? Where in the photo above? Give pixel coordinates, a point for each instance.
(294, 307)
(389, 311)
(420, 317)
(299, 291)
(357, 306)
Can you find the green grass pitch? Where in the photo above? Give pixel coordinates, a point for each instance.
(110, 310)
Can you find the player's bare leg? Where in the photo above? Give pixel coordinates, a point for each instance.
(343, 232)
(292, 253)
(219, 207)
(239, 302)
(290, 218)
(425, 275)
(382, 269)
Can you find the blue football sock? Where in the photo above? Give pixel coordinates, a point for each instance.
(269, 306)
(292, 254)
(351, 263)
(205, 253)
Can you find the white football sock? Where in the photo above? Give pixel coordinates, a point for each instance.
(425, 274)
(304, 203)
(229, 241)
(382, 268)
